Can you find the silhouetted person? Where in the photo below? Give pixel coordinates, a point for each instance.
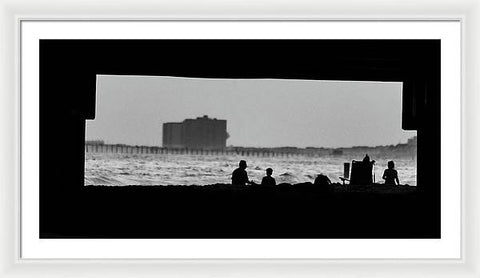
(322, 180)
(390, 175)
(239, 175)
(268, 180)
(362, 171)
(323, 183)
(366, 159)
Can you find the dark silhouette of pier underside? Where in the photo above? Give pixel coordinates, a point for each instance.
(68, 70)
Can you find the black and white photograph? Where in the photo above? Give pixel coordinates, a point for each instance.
(228, 138)
(242, 139)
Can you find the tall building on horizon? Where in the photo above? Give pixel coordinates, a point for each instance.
(200, 133)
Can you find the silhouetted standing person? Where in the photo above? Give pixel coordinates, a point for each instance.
(366, 159)
(268, 180)
(390, 175)
(239, 175)
(368, 165)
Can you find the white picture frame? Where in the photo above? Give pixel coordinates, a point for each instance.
(13, 266)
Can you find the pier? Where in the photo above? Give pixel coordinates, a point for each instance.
(229, 151)
(400, 150)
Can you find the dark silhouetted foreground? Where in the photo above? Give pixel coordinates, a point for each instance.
(228, 211)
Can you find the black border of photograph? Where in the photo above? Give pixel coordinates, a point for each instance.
(68, 209)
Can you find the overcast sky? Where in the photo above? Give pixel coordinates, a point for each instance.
(259, 112)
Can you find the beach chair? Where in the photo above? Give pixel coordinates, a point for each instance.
(346, 174)
(361, 173)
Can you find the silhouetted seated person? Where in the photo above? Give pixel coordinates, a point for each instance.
(239, 175)
(323, 183)
(390, 175)
(268, 180)
(361, 173)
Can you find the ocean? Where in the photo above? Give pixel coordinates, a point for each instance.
(120, 169)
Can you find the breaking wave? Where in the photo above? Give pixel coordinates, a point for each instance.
(149, 169)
